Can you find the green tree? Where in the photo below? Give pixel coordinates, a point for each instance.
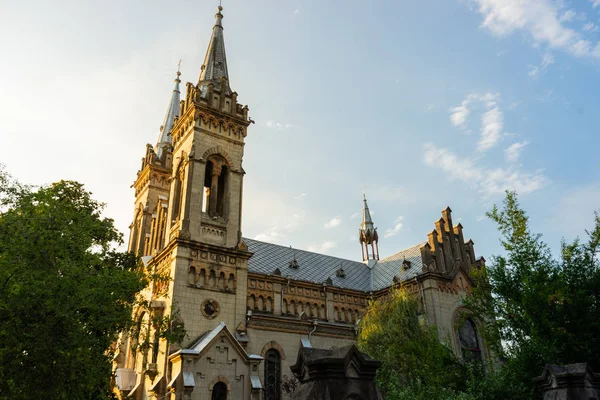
(539, 309)
(415, 364)
(64, 292)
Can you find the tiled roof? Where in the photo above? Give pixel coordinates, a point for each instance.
(312, 267)
(385, 270)
(317, 268)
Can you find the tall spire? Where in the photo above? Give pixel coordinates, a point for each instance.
(215, 61)
(367, 234)
(164, 138)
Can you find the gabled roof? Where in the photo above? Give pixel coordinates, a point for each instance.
(318, 268)
(204, 341)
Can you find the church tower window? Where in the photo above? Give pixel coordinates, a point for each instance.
(469, 343)
(272, 375)
(177, 190)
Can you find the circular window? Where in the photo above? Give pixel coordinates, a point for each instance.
(210, 308)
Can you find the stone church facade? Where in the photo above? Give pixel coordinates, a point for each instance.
(249, 306)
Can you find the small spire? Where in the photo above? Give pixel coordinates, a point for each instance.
(164, 138)
(368, 233)
(367, 222)
(215, 62)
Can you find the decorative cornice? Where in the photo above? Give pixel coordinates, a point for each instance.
(303, 327)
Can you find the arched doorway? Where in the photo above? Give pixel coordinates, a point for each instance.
(219, 391)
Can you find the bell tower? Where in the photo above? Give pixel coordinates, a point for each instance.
(208, 147)
(152, 187)
(188, 217)
(203, 248)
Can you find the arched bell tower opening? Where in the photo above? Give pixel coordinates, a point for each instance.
(216, 179)
(177, 194)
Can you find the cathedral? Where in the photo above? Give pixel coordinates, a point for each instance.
(249, 306)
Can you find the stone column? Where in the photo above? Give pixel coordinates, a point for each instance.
(214, 190)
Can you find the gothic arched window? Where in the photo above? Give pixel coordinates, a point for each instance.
(219, 391)
(469, 343)
(272, 375)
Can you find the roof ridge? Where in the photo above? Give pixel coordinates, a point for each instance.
(420, 244)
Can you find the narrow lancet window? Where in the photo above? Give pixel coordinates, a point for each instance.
(215, 187)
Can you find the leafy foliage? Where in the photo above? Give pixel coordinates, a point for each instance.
(539, 309)
(64, 292)
(415, 364)
(289, 384)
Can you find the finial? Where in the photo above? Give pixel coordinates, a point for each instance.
(177, 80)
(219, 15)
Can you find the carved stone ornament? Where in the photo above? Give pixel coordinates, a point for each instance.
(210, 308)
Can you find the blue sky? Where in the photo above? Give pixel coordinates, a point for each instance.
(426, 104)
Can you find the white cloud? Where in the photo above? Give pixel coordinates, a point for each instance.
(590, 27)
(513, 152)
(595, 3)
(535, 71)
(459, 114)
(457, 168)
(430, 107)
(540, 18)
(568, 16)
(277, 125)
(499, 180)
(332, 223)
(323, 247)
(489, 181)
(271, 235)
(492, 123)
(397, 228)
(297, 11)
(301, 196)
(355, 215)
(492, 120)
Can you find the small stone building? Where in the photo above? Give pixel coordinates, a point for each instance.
(246, 304)
(338, 374)
(569, 382)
